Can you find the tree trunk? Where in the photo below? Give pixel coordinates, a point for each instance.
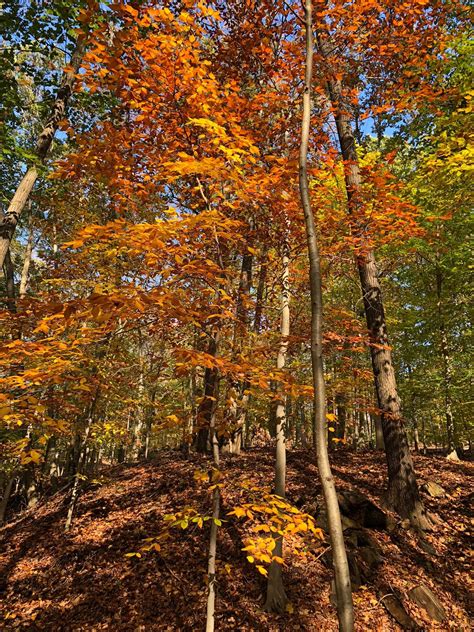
(22, 194)
(262, 277)
(341, 567)
(211, 565)
(276, 596)
(80, 453)
(341, 416)
(447, 368)
(9, 274)
(237, 390)
(6, 497)
(403, 493)
(31, 487)
(82, 458)
(379, 441)
(356, 426)
(204, 414)
(416, 438)
(139, 425)
(150, 413)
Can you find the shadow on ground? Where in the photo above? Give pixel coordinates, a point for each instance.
(83, 580)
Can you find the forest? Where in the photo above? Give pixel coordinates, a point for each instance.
(235, 317)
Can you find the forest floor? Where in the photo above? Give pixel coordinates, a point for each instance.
(83, 580)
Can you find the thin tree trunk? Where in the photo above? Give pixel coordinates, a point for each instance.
(150, 413)
(365, 428)
(78, 476)
(416, 438)
(341, 416)
(80, 458)
(204, 414)
(6, 497)
(403, 493)
(447, 369)
(262, 277)
(31, 487)
(9, 273)
(211, 565)
(22, 194)
(356, 432)
(237, 389)
(276, 596)
(140, 413)
(341, 567)
(423, 434)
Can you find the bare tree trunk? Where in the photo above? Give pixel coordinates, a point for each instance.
(341, 567)
(80, 457)
(356, 432)
(300, 438)
(379, 442)
(341, 416)
(276, 596)
(423, 434)
(78, 476)
(32, 491)
(403, 493)
(416, 438)
(9, 273)
(211, 565)
(447, 368)
(6, 497)
(22, 194)
(237, 389)
(262, 277)
(204, 414)
(140, 413)
(149, 417)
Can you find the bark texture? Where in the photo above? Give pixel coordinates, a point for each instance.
(211, 564)
(22, 194)
(276, 597)
(207, 405)
(9, 274)
(7, 490)
(341, 567)
(403, 493)
(238, 390)
(447, 365)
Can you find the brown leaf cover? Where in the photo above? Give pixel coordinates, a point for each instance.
(83, 580)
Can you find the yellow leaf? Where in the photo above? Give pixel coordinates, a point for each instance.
(239, 512)
(35, 456)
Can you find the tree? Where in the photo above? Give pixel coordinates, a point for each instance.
(403, 492)
(45, 138)
(341, 567)
(276, 598)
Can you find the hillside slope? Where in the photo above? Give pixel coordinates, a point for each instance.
(83, 580)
